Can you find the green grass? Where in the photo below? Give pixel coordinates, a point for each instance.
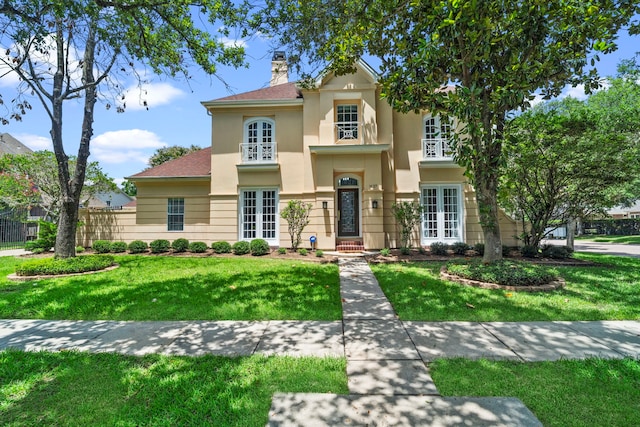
(566, 393)
(634, 240)
(71, 389)
(180, 288)
(607, 292)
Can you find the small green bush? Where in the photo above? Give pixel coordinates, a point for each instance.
(422, 250)
(319, 253)
(138, 247)
(529, 251)
(504, 272)
(439, 248)
(118, 247)
(101, 246)
(460, 248)
(47, 232)
(479, 247)
(506, 250)
(221, 247)
(159, 246)
(180, 245)
(405, 250)
(385, 252)
(79, 249)
(303, 251)
(556, 252)
(198, 247)
(282, 251)
(241, 248)
(52, 266)
(259, 247)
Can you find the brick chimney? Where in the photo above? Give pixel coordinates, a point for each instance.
(279, 69)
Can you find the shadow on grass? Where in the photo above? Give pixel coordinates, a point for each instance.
(148, 288)
(106, 389)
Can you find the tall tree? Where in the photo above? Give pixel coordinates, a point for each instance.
(496, 54)
(32, 180)
(67, 50)
(165, 154)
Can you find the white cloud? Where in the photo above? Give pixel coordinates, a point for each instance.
(125, 146)
(576, 92)
(35, 142)
(154, 94)
(229, 42)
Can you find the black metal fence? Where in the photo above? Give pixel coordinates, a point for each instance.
(16, 229)
(616, 227)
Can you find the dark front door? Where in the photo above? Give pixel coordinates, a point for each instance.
(348, 212)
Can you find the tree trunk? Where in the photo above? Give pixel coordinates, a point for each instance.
(571, 232)
(486, 196)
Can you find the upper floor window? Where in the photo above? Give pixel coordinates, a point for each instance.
(437, 136)
(175, 214)
(259, 143)
(347, 123)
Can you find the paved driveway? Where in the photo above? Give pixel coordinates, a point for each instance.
(601, 248)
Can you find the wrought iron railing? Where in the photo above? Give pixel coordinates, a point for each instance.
(436, 149)
(347, 131)
(262, 152)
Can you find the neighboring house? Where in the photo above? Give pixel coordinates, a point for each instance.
(115, 199)
(337, 146)
(621, 212)
(10, 145)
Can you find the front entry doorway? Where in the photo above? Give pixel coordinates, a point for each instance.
(348, 212)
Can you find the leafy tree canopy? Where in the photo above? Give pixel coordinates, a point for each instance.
(165, 154)
(472, 60)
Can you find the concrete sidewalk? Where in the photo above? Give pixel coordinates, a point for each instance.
(387, 359)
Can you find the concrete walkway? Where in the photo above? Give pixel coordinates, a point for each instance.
(389, 382)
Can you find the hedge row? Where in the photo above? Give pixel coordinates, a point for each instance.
(53, 266)
(256, 247)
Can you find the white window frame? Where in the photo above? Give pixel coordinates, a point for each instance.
(172, 213)
(261, 155)
(347, 130)
(441, 214)
(259, 214)
(441, 141)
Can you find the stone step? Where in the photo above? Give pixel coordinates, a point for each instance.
(314, 409)
(349, 246)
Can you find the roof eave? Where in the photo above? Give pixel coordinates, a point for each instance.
(253, 103)
(180, 178)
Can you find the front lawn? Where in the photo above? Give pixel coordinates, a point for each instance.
(607, 292)
(566, 393)
(634, 240)
(180, 288)
(71, 388)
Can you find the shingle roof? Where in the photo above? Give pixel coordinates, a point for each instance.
(193, 164)
(10, 145)
(271, 93)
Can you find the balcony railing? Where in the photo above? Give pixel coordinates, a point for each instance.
(436, 149)
(348, 132)
(262, 152)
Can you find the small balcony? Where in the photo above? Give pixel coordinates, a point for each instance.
(348, 132)
(256, 153)
(436, 149)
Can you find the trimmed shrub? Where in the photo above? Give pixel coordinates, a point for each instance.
(460, 248)
(319, 253)
(259, 247)
(46, 240)
(282, 251)
(180, 245)
(405, 250)
(241, 248)
(303, 251)
(529, 251)
(422, 250)
(138, 247)
(101, 246)
(197, 247)
(52, 266)
(385, 252)
(159, 246)
(479, 247)
(118, 247)
(439, 248)
(556, 252)
(221, 247)
(504, 272)
(79, 249)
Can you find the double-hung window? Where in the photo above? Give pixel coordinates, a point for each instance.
(442, 216)
(259, 141)
(259, 215)
(175, 214)
(347, 123)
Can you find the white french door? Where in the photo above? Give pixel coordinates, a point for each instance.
(442, 217)
(259, 215)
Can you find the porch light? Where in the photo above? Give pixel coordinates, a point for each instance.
(325, 205)
(374, 204)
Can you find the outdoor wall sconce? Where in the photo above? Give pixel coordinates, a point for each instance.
(325, 205)
(374, 204)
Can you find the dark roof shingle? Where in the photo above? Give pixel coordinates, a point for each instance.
(193, 164)
(272, 93)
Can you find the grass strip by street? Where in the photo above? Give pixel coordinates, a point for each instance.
(72, 388)
(610, 291)
(632, 240)
(180, 288)
(565, 393)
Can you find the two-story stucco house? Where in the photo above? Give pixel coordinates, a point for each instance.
(338, 146)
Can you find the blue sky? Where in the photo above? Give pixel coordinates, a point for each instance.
(123, 142)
